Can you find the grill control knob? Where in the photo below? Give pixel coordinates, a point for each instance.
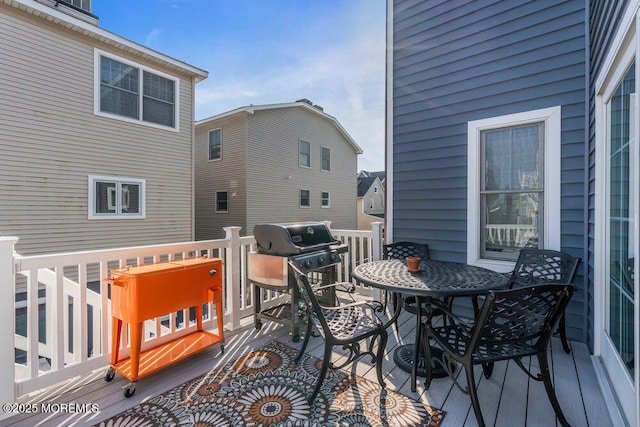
(322, 260)
(335, 257)
(308, 263)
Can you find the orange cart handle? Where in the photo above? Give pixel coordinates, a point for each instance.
(116, 282)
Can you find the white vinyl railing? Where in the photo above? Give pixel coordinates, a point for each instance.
(61, 325)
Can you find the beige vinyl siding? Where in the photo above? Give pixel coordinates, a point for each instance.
(227, 174)
(273, 158)
(51, 142)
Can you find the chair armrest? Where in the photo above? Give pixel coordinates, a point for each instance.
(443, 307)
(346, 286)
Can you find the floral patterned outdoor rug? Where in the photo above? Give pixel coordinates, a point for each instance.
(266, 388)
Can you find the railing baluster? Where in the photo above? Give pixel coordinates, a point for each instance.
(75, 284)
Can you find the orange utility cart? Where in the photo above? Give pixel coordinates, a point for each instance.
(149, 291)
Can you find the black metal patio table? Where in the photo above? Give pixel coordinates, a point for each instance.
(439, 279)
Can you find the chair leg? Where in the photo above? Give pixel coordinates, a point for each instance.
(471, 386)
(427, 358)
(416, 346)
(307, 334)
(379, 356)
(546, 378)
(563, 335)
(323, 372)
(397, 305)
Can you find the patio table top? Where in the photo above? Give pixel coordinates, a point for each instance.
(435, 278)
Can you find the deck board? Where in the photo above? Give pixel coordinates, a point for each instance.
(508, 398)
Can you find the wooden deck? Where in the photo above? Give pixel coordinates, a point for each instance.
(508, 398)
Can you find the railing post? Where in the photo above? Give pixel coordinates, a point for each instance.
(7, 320)
(232, 269)
(376, 240)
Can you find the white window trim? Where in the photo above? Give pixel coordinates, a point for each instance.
(300, 199)
(552, 151)
(328, 200)
(209, 148)
(215, 196)
(97, 53)
(116, 179)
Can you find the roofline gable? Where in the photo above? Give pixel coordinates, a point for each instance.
(75, 24)
(251, 109)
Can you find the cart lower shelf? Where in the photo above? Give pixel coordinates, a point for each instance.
(156, 358)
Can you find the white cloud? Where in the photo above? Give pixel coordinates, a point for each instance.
(346, 78)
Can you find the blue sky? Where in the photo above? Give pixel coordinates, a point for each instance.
(270, 51)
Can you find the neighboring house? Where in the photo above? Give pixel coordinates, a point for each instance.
(96, 133)
(371, 198)
(515, 124)
(273, 163)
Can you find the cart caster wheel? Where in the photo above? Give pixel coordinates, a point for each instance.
(222, 348)
(258, 326)
(110, 374)
(130, 391)
(296, 338)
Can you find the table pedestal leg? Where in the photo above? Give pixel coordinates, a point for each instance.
(403, 356)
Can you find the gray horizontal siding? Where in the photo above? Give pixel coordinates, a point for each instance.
(228, 174)
(457, 62)
(51, 141)
(273, 197)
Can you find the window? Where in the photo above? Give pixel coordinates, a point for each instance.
(222, 202)
(304, 154)
(305, 199)
(113, 197)
(132, 92)
(513, 185)
(511, 190)
(215, 144)
(326, 159)
(325, 199)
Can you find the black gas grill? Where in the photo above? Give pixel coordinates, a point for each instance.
(311, 247)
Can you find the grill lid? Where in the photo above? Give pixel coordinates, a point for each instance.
(293, 238)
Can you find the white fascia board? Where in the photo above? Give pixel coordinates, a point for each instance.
(55, 16)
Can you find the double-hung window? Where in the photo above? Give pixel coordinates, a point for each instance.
(514, 185)
(134, 92)
(215, 144)
(116, 197)
(305, 198)
(304, 154)
(222, 202)
(325, 199)
(326, 159)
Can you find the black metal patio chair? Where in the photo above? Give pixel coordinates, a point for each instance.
(535, 266)
(512, 324)
(400, 251)
(345, 325)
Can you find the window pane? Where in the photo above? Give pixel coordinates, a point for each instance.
(305, 154)
(325, 199)
(511, 221)
(118, 88)
(511, 190)
(105, 193)
(130, 198)
(326, 159)
(215, 144)
(222, 201)
(304, 198)
(511, 158)
(622, 192)
(159, 100)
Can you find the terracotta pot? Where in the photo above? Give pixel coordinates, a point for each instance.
(413, 263)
